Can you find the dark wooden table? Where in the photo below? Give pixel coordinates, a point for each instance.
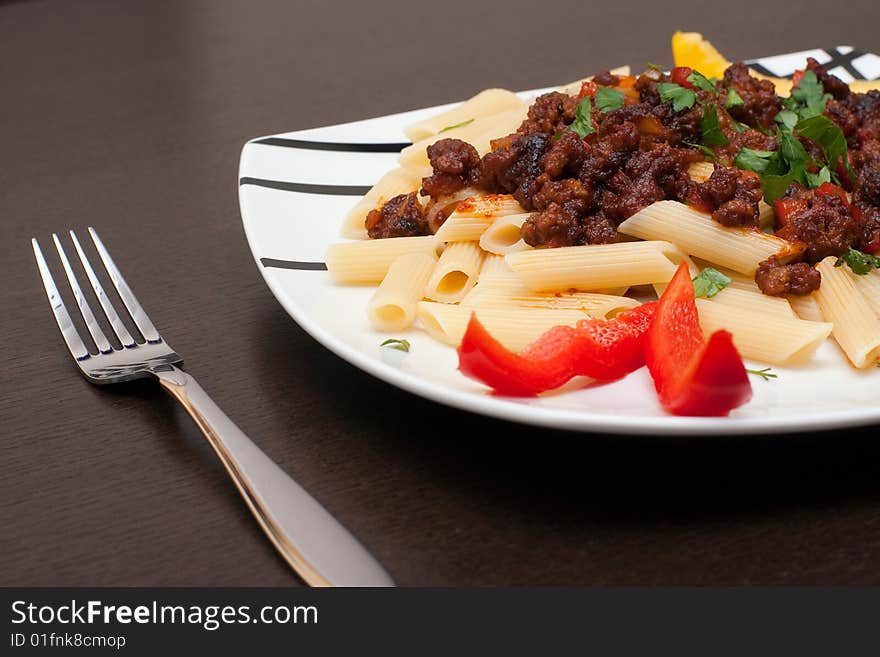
(130, 117)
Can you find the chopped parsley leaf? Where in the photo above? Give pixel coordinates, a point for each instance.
(733, 99)
(395, 343)
(583, 124)
(457, 125)
(765, 373)
(712, 135)
(681, 97)
(860, 263)
(700, 81)
(608, 99)
(710, 282)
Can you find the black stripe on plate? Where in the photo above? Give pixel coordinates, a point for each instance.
(344, 147)
(845, 60)
(293, 264)
(763, 70)
(308, 188)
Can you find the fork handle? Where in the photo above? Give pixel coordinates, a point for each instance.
(312, 541)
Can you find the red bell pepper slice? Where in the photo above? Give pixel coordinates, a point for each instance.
(830, 189)
(692, 376)
(601, 349)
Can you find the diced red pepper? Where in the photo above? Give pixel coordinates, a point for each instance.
(588, 88)
(680, 75)
(786, 207)
(601, 349)
(829, 189)
(692, 376)
(796, 77)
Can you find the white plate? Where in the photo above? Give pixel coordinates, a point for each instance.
(295, 189)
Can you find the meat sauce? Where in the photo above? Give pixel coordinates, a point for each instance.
(580, 189)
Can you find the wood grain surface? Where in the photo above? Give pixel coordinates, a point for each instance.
(130, 117)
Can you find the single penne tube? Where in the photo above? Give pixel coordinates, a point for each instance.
(455, 273)
(478, 133)
(749, 301)
(393, 305)
(856, 327)
(505, 293)
(395, 182)
(806, 307)
(494, 267)
(594, 267)
(366, 262)
(572, 88)
(473, 216)
(869, 286)
(697, 234)
(757, 335)
(488, 101)
(503, 235)
(514, 327)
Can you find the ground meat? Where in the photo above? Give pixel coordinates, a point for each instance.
(866, 202)
(609, 153)
(571, 193)
(831, 83)
(606, 79)
(651, 175)
(565, 156)
(549, 114)
(646, 85)
(731, 195)
(777, 279)
(402, 216)
(513, 169)
(452, 161)
(553, 226)
(822, 222)
(760, 102)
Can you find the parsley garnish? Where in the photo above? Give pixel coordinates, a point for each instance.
(808, 99)
(608, 99)
(457, 125)
(829, 136)
(700, 81)
(395, 343)
(708, 152)
(681, 98)
(733, 99)
(656, 67)
(860, 263)
(753, 160)
(582, 124)
(712, 135)
(787, 118)
(765, 374)
(710, 282)
(816, 179)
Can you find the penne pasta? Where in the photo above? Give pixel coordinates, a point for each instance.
(503, 235)
(766, 337)
(455, 273)
(507, 292)
(749, 301)
(740, 249)
(393, 305)
(856, 327)
(489, 101)
(366, 262)
(473, 216)
(590, 268)
(495, 266)
(478, 133)
(514, 327)
(869, 286)
(397, 181)
(806, 307)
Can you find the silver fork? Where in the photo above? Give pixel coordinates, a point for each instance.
(315, 545)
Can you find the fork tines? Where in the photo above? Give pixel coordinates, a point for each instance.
(65, 323)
